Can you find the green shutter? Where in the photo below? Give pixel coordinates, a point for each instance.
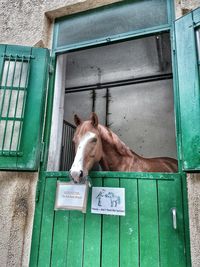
(189, 90)
(23, 81)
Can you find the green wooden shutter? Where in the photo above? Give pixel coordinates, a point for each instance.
(23, 81)
(189, 90)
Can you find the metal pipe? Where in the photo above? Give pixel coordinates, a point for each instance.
(118, 83)
(107, 107)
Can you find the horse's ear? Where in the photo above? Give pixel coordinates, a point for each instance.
(94, 119)
(77, 120)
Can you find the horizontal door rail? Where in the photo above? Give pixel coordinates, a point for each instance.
(15, 56)
(11, 119)
(117, 175)
(13, 88)
(69, 124)
(11, 153)
(118, 83)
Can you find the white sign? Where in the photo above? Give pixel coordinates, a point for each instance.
(108, 200)
(71, 196)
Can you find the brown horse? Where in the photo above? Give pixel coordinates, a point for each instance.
(96, 143)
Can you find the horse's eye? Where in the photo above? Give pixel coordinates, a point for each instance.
(94, 140)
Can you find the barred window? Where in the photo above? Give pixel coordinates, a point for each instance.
(13, 92)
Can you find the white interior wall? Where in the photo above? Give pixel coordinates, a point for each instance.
(57, 116)
(142, 115)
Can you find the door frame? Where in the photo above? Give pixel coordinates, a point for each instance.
(55, 67)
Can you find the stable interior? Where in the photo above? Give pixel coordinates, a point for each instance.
(129, 85)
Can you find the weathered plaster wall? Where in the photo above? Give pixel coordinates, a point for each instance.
(29, 22)
(17, 204)
(194, 215)
(185, 6)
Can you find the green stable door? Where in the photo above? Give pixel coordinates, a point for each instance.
(154, 231)
(150, 234)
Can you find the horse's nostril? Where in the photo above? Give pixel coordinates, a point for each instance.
(81, 174)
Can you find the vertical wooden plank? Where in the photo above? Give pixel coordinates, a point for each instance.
(180, 232)
(171, 240)
(110, 234)
(37, 220)
(75, 239)
(36, 92)
(129, 225)
(47, 223)
(92, 237)
(60, 238)
(166, 198)
(186, 218)
(148, 220)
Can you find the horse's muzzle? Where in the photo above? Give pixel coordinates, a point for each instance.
(77, 176)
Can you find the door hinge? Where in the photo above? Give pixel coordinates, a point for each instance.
(42, 150)
(173, 42)
(51, 69)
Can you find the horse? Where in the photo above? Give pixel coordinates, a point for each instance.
(114, 200)
(95, 143)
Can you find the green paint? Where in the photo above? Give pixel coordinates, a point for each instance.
(44, 257)
(75, 239)
(26, 155)
(144, 237)
(141, 19)
(189, 93)
(37, 220)
(110, 234)
(186, 217)
(48, 111)
(60, 238)
(92, 232)
(169, 237)
(129, 249)
(148, 223)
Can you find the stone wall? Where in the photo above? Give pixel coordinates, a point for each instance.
(29, 22)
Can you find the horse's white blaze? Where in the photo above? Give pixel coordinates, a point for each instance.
(77, 165)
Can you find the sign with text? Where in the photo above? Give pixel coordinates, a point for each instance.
(108, 200)
(71, 196)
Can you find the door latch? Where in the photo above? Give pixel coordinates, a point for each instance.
(174, 219)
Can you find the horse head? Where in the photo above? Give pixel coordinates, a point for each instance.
(88, 147)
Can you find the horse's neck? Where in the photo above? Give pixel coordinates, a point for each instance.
(116, 155)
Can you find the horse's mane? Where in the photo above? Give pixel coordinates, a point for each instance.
(108, 136)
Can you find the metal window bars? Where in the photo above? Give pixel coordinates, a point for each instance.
(67, 152)
(14, 78)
